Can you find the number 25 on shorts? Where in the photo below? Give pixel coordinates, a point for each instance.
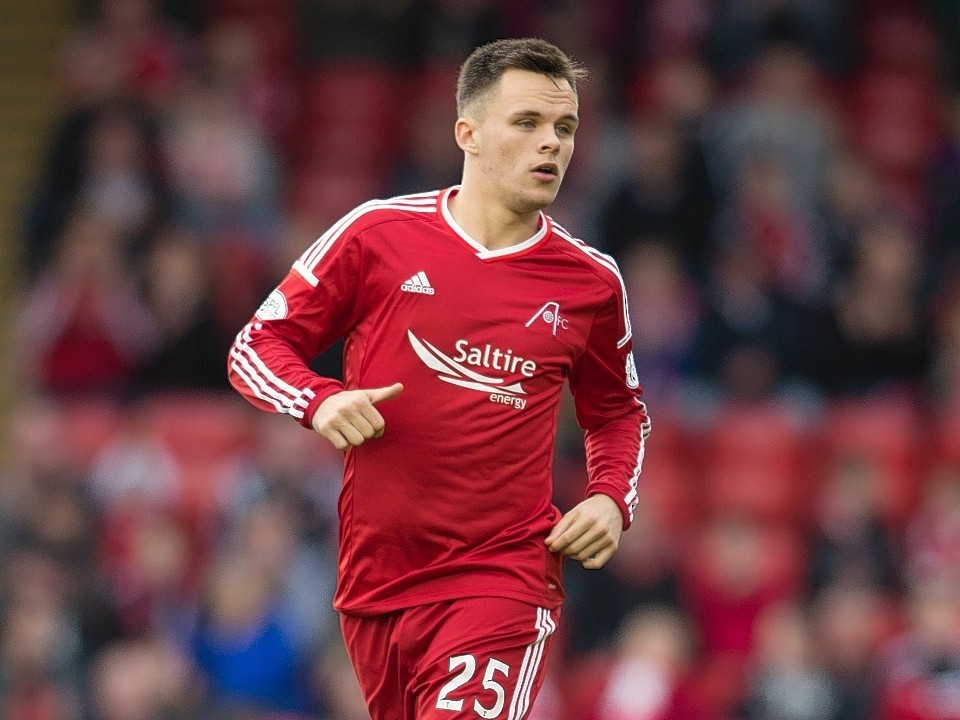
(469, 663)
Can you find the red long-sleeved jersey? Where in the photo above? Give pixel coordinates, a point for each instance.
(455, 499)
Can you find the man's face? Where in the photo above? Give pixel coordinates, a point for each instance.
(524, 137)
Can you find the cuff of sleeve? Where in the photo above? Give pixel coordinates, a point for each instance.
(322, 392)
(614, 493)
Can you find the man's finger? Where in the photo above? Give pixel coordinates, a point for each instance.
(377, 423)
(599, 560)
(377, 395)
(352, 435)
(559, 529)
(362, 424)
(589, 539)
(590, 550)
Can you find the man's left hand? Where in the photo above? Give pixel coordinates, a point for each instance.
(589, 533)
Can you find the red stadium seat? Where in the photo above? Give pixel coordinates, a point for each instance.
(353, 91)
(326, 195)
(668, 478)
(196, 427)
(887, 432)
(86, 426)
(206, 435)
(754, 465)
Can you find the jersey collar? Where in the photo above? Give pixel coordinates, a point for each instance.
(482, 252)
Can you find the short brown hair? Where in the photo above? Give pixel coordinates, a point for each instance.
(487, 63)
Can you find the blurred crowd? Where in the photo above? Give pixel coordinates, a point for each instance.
(780, 183)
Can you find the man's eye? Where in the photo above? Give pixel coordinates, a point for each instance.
(526, 123)
(564, 130)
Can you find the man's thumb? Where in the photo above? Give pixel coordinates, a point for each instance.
(376, 395)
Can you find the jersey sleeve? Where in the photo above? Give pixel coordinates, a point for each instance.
(314, 305)
(607, 398)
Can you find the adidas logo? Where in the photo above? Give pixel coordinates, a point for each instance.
(418, 284)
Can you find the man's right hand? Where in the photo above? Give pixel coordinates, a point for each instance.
(350, 418)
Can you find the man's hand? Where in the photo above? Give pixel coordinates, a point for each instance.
(590, 532)
(350, 418)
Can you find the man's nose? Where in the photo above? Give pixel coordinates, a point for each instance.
(550, 141)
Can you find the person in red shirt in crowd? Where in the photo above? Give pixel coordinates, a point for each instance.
(464, 311)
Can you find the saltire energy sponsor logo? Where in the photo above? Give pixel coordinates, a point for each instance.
(457, 370)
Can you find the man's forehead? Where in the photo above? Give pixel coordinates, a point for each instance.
(518, 85)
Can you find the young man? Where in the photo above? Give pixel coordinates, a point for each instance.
(463, 313)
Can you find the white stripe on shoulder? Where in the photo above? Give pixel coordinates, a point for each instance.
(610, 264)
(421, 202)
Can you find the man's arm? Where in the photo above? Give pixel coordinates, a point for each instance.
(269, 359)
(607, 397)
(590, 532)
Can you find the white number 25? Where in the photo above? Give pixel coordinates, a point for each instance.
(469, 663)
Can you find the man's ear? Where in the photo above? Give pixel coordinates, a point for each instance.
(467, 135)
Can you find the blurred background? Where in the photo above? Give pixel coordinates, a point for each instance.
(780, 183)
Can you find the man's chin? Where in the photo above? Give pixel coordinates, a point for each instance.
(543, 196)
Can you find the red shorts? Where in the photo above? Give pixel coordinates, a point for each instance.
(478, 657)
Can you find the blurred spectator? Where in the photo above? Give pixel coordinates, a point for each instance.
(749, 343)
(873, 335)
(39, 645)
(84, 326)
(135, 469)
(293, 470)
(668, 105)
(894, 113)
(191, 345)
(849, 625)
(429, 156)
(300, 575)
(127, 49)
(672, 28)
(141, 680)
(741, 30)
(222, 167)
(853, 199)
(235, 62)
(764, 214)
(650, 200)
(451, 29)
(155, 585)
(933, 538)
(786, 679)
(730, 581)
(664, 330)
(850, 546)
(241, 647)
(920, 668)
(649, 674)
(103, 159)
(777, 113)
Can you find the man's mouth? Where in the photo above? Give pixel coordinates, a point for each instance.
(546, 171)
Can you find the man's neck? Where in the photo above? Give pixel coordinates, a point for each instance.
(490, 222)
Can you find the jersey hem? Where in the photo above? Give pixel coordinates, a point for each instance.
(383, 607)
